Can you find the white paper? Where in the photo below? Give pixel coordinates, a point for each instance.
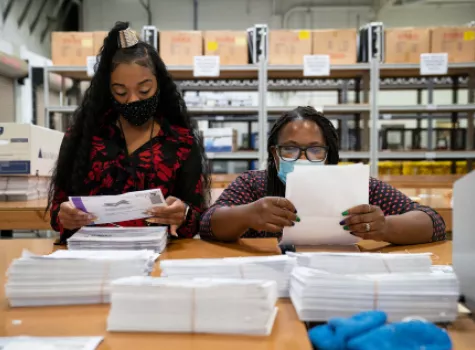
(123, 207)
(49, 343)
(316, 65)
(90, 64)
(206, 66)
(434, 63)
(321, 194)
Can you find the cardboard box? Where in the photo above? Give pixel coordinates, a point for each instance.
(289, 46)
(458, 42)
(98, 41)
(27, 149)
(230, 46)
(405, 45)
(220, 140)
(179, 47)
(339, 44)
(71, 48)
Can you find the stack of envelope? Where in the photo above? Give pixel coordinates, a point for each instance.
(358, 263)
(319, 295)
(72, 277)
(276, 268)
(232, 306)
(23, 188)
(129, 238)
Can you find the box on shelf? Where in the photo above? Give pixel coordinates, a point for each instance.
(339, 44)
(405, 45)
(220, 140)
(289, 46)
(27, 149)
(98, 41)
(458, 42)
(179, 47)
(71, 48)
(230, 46)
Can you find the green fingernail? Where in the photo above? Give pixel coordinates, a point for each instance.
(345, 213)
(297, 219)
(346, 228)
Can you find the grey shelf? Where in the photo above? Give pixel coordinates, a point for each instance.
(222, 110)
(353, 155)
(335, 109)
(427, 108)
(61, 109)
(243, 155)
(429, 155)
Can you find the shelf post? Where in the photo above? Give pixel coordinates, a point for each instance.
(262, 117)
(46, 94)
(374, 116)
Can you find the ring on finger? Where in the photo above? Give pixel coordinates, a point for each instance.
(367, 227)
(369, 209)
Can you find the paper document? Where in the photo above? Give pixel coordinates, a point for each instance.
(122, 207)
(321, 194)
(49, 343)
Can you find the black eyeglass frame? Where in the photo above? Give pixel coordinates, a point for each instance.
(302, 149)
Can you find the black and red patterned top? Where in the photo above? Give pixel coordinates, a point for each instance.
(164, 162)
(251, 186)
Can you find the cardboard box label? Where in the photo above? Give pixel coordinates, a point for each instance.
(434, 63)
(469, 35)
(206, 66)
(86, 42)
(212, 46)
(304, 35)
(241, 41)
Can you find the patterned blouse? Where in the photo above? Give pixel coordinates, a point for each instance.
(164, 162)
(251, 186)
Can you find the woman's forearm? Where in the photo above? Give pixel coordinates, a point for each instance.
(413, 227)
(230, 223)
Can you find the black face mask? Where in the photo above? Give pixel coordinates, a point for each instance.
(139, 112)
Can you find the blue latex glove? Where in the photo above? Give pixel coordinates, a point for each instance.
(338, 331)
(412, 335)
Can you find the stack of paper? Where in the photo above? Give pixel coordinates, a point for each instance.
(72, 277)
(49, 343)
(319, 295)
(321, 194)
(362, 263)
(146, 304)
(19, 188)
(276, 268)
(130, 238)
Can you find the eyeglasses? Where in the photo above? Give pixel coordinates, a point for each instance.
(292, 153)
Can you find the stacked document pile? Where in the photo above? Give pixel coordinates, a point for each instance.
(23, 188)
(72, 277)
(130, 238)
(318, 295)
(232, 306)
(276, 268)
(359, 263)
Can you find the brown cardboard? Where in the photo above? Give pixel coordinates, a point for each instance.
(98, 41)
(458, 42)
(230, 46)
(179, 47)
(339, 44)
(71, 48)
(289, 46)
(405, 45)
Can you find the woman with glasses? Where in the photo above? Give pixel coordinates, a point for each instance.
(254, 204)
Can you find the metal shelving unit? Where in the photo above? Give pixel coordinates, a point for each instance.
(366, 79)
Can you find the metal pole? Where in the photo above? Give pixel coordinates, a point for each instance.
(46, 94)
(430, 120)
(262, 121)
(374, 116)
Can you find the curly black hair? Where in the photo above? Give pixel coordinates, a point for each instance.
(274, 186)
(73, 160)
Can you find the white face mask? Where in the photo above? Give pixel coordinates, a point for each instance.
(286, 167)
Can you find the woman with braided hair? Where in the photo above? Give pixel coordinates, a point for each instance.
(255, 205)
(131, 132)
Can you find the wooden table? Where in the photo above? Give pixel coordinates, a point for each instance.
(29, 215)
(288, 332)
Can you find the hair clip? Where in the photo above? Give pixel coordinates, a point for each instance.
(127, 38)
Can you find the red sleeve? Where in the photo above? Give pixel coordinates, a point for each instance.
(247, 188)
(394, 202)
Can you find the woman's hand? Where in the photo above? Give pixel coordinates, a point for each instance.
(272, 214)
(173, 214)
(72, 218)
(366, 221)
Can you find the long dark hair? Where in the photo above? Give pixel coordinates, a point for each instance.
(73, 160)
(275, 187)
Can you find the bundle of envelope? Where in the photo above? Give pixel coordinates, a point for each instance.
(19, 188)
(320, 295)
(72, 277)
(196, 305)
(359, 263)
(130, 238)
(276, 268)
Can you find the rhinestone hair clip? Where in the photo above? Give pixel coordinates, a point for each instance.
(127, 38)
